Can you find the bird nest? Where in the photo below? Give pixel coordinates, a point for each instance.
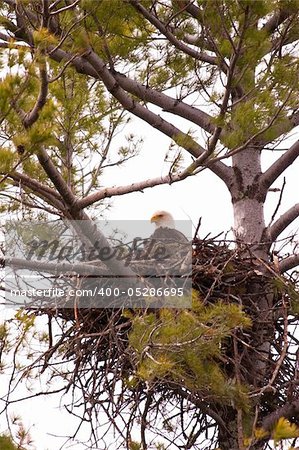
(219, 274)
(114, 351)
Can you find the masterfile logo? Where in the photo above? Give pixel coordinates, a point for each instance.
(56, 264)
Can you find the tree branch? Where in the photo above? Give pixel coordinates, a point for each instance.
(82, 65)
(276, 20)
(90, 268)
(282, 127)
(202, 406)
(84, 224)
(289, 263)
(116, 80)
(166, 102)
(32, 116)
(33, 205)
(65, 8)
(171, 37)
(122, 190)
(44, 192)
(281, 224)
(29, 118)
(78, 62)
(279, 166)
(287, 411)
(193, 10)
(151, 118)
(223, 108)
(94, 66)
(87, 226)
(137, 109)
(197, 41)
(56, 178)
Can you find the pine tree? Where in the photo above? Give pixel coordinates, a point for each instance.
(72, 71)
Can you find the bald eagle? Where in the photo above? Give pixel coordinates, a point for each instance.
(166, 242)
(165, 228)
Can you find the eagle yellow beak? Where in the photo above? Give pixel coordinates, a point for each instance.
(154, 218)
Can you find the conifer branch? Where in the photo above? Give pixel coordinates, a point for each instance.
(44, 193)
(87, 226)
(289, 263)
(55, 211)
(287, 411)
(137, 109)
(193, 10)
(283, 222)
(282, 127)
(65, 8)
(33, 184)
(66, 194)
(279, 166)
(275, 20)
(201, 56)
(32, 116)
(115, 191)
(169, 104)
(151, 118)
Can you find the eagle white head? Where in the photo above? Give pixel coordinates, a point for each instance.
(163, 219)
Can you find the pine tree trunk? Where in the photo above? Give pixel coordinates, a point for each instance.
(248, 198)
(249, 224)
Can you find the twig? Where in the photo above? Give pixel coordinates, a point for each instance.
(279, 201)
